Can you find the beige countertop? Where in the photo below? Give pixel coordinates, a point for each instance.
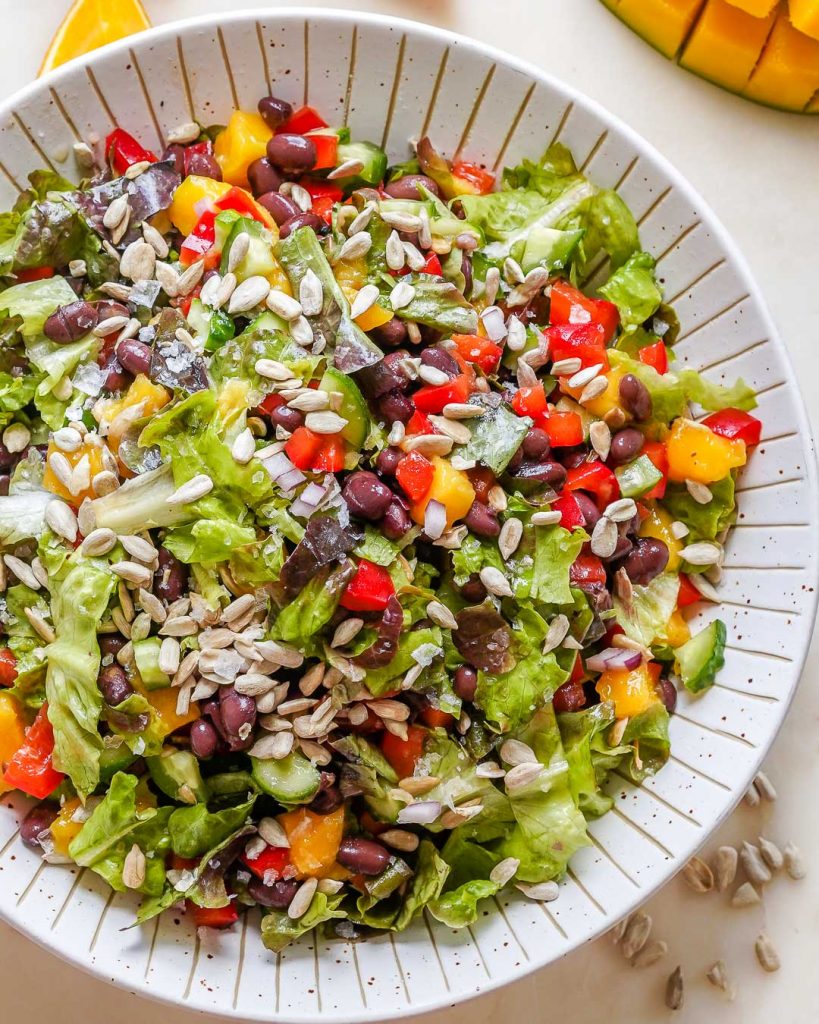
(757, 168)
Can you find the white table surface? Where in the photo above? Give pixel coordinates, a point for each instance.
(757, 168)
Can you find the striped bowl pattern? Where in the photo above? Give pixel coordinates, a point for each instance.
(392, 81)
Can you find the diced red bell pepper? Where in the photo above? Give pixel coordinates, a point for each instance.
(435, 718)
(326, 144)
(123, 150)
(655, 355)
(200, 241)
(33, 274)
(30, 769)
(477, 176)
(480, 351)
(182, 863)
(369, 590)
(213, 917)
(271, 402)
(322, 189)
(433, 397)
(8, 667)
(657, 453)
(735, 425)
(585, 342)
(305, 119)
(239, 200)
(419, 423)
(303, 446)
(272, 858)
(688, 593)
(565, 429)
(414, 473)
(570, 306)
(530, 401)
(595, 478)
(330, 456)
(571, 515)
(587, 569)
(197, 149)
(578, 670)
(433, 265)
(187, 302)
(404, 754)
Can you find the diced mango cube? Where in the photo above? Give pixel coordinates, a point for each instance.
(87, 453)
(451, 487)
(630, 690)
(12, 732)
(314, 840)
(185, 209)
(697, 453)
(787, 74)
(725, 44)
(657, 524)
(244, 140)
(663, 23)
(64, 828)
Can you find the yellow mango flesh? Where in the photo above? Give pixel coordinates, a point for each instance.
(63, 829)
(244, 140)
(605, 402)
(12, 732)
(697, 453)
(314, 840)
(805, 16)
(95, 464)
(725, 44)
(451, 487)
(375, 316)
(756, 8)
(183, 209)
(164, 704)
(787, 74)
(676, 631)
(663, 23)
(631, 691)
(143, 396)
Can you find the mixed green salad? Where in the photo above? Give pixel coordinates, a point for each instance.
(350, 515)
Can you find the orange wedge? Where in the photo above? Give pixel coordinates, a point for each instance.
(91, 24)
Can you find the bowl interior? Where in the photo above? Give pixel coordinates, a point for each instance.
(392, 81)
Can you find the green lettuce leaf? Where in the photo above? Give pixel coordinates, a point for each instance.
(209, 540)
(459, 907)
(27, 645)
(278, 930)
(496, 436)
(704, 522)
(634, 290)
(378, 681)
(427, 883)
(645, 616)
(438, 304)
(35, 301)
(647, 737)
(22, 516)
(312, 609)
(195, 830)
(589, 756)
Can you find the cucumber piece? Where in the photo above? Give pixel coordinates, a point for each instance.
(637, 477)
(113, 760)
(176, 773)
(259, 260)
(700, 658)
(353, 406)
(146, 656)
(292, 780)
(374, 162)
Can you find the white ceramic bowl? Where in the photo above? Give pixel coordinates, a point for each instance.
(391, 81)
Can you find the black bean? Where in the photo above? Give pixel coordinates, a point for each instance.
(568, 697)
(114, 685)
(134, 356)
(396, 407)
(292, 153)
(7, 458)
(327, 799)
(109, 307)
(281, 208)
(204, 739)
(5, 480)
(634, 397)
(407, 186)
(264, 177)
(70, 322)
(176, 155)
(383, 376)
(668, 694)
(274, 111)
(547, 472)
(572, 459)
(536, 444)
(626, 445)
(204, 165)
(238, 710)
(515, 461)
(465, 682)
(482, 520)
(396, 521)
(278, 895)
(440, 359)
(37, 821)
(284, 416)
(473, 590)
(621, 549)
(590, 511)
(302, 220)
(363, 856)
(116, 378)
(391, 334)
(170, 578)
(111, 643)
(647, 559)
(466, 270)
(388, 459)
(367, 497)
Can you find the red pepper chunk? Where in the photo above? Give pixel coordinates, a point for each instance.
(571, 515)
(30, 769)
(595, 478)
(404, 754)
(8, 667)
(657, 453)
(655, 356)
(123, 151)
(565, 429)
(213, 917)
(480, 351)
(419, 423)
(530, 401)
(330, 456)
(305, 119)
(200, 240)
(326, 144)
(570, 306)
(198, 149)
(587, 569)
(272, 858)
(688, 593)
(480, 180)
(433, 397)
(33, 274)
(302, 447)
(369, 590)
(586, 342)
(414, 473)
(736, 425)
(240, 201)
(435, 718)
(432, 265)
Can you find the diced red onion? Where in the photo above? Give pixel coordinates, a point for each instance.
(423, 812)
(291, 480)
(277, 465)
(614, 657)
(494, 323)
(434, 519)
(313, 494)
